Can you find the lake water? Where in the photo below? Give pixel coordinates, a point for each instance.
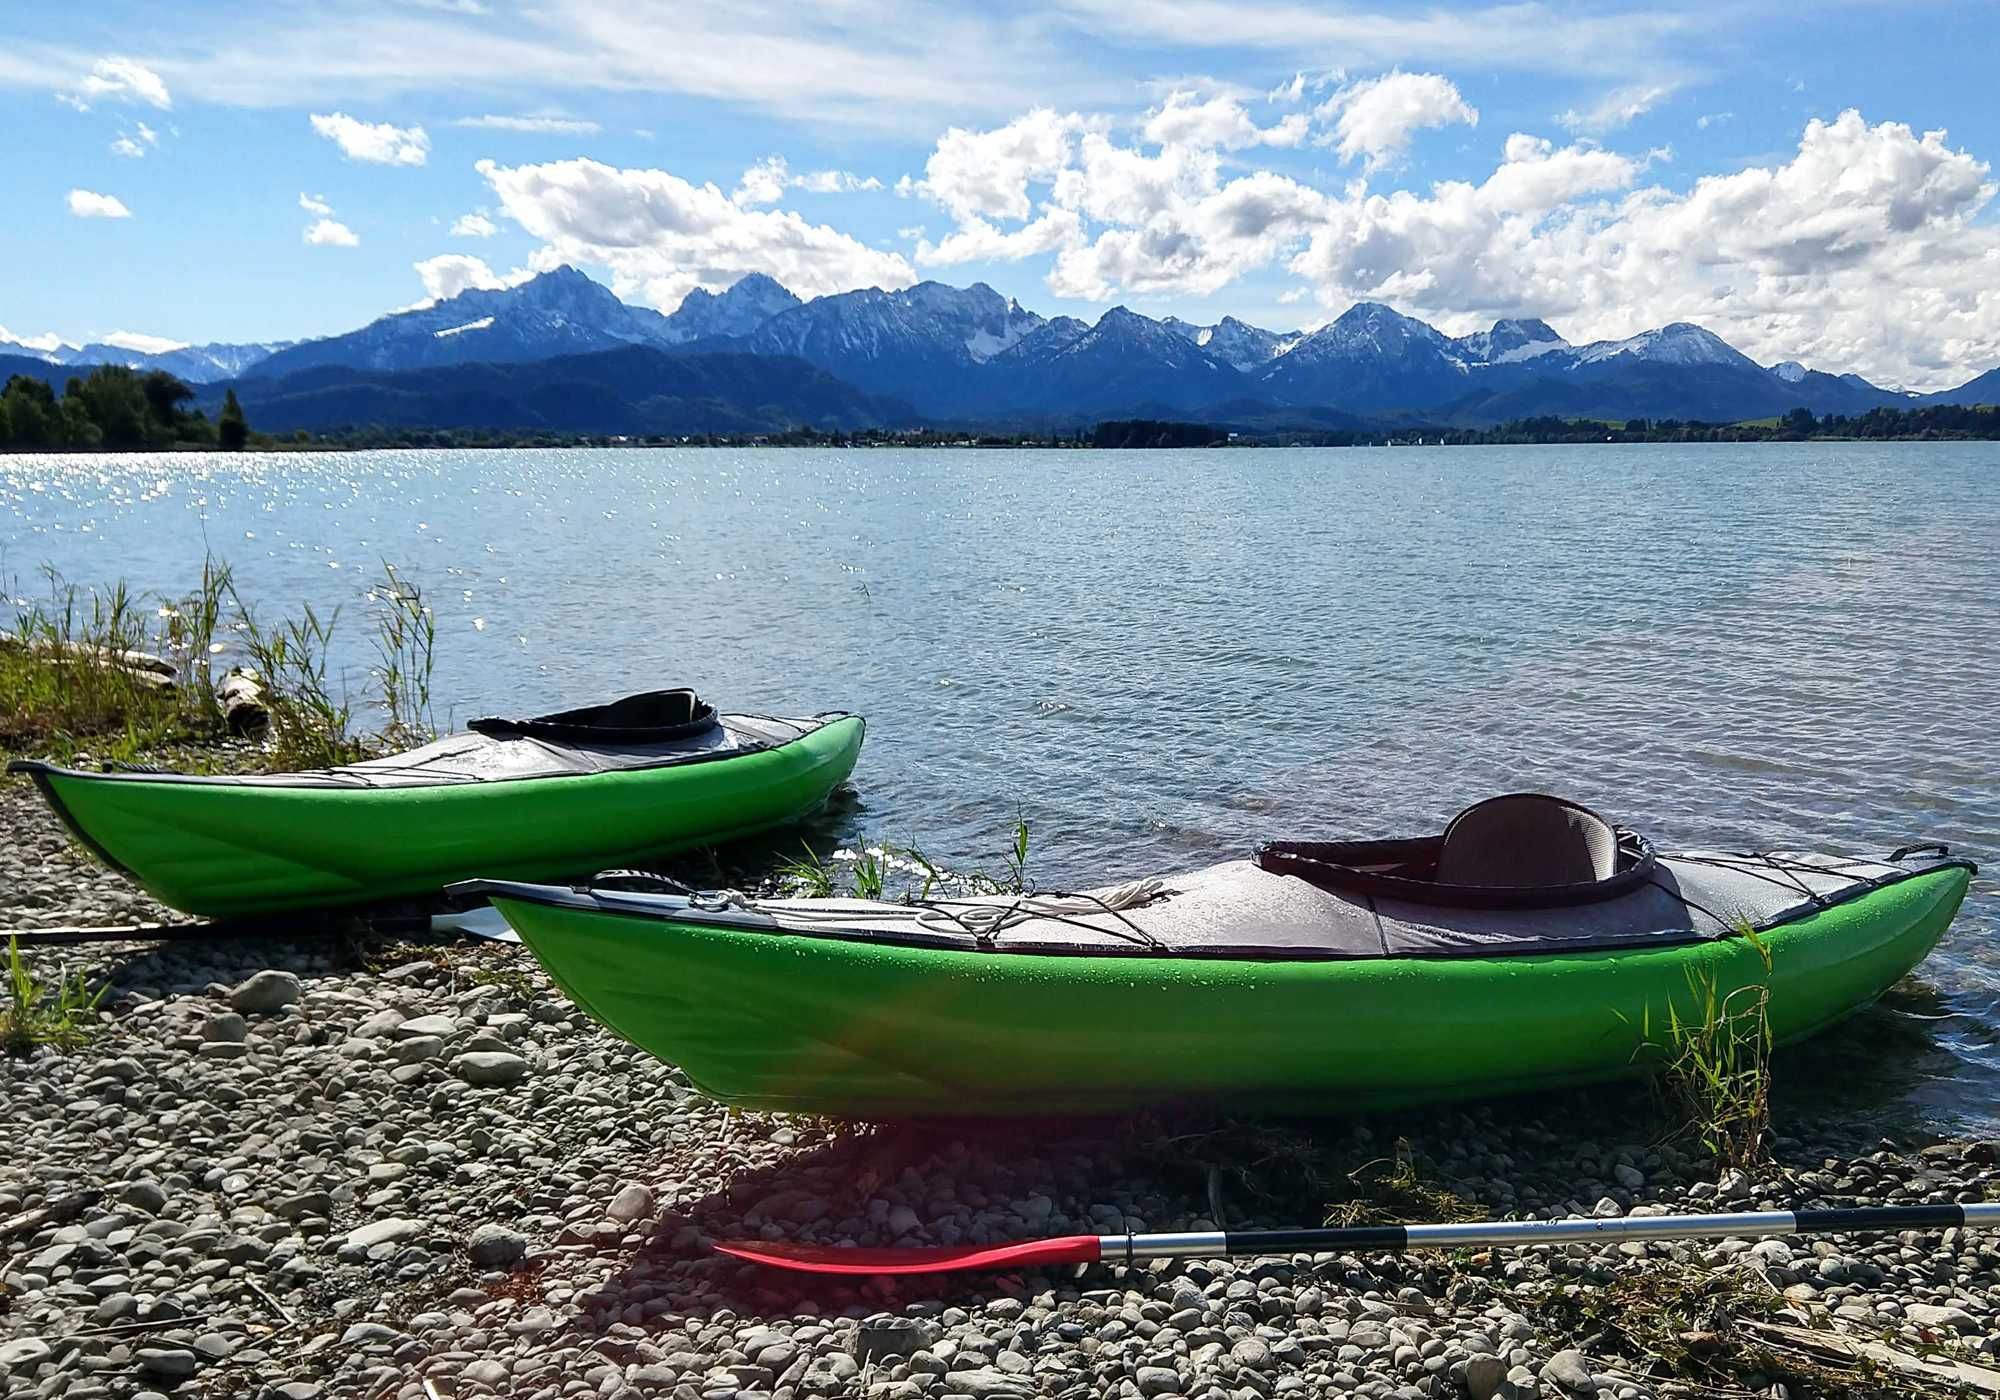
(1160, 658)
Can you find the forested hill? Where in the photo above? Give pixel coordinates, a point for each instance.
(108, 408)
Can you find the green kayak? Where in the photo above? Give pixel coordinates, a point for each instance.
(1318, 977)
(542, 799)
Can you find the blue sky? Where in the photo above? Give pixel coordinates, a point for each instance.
(214, 171)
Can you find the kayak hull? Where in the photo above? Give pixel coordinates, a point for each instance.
(855, 1029)
(229, 851)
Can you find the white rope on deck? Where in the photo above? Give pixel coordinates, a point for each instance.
(981, 918)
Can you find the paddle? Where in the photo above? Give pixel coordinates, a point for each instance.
(1126, 1249)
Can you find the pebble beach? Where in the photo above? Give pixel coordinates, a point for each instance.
(312, 1167)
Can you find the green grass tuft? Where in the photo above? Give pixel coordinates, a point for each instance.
(117, 675)
(806, 876)
(61, 1013)
(1714, 1062)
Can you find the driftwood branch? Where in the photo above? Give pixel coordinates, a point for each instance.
(1840, 1347)
(54, 1213)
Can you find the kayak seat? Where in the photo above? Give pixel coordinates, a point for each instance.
(1524, 850)
(1526, 839)
(655, 717)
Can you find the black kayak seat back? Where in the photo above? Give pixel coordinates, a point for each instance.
(654, 717)
(1527, 839)
(1522, 850)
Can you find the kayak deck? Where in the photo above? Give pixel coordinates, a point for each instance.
(887, 1020)
(465, 805)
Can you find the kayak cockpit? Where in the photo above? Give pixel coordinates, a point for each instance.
(1522, 850)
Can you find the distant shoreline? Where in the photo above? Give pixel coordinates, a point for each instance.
(594, 444)
(1940, 423)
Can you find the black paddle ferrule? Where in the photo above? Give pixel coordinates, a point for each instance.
(1283, 1241)
(1834, 1221)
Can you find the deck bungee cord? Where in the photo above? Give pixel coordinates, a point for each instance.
(982, 918)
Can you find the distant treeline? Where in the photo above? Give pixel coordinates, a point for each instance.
(1930, 423)
(113, 409)
(377, 436)
(120, 409)
(1937, 422)
(1150, 432)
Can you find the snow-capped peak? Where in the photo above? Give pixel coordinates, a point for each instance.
(738, 309)
(1237, 343)
(1511, 340)
(1370, 330)
(1791, 371)
(1680, 343)
(481, 324)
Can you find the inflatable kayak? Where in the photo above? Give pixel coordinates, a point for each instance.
(539, 798)
(1529, 947)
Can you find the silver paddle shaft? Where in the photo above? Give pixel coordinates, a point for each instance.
(1216, 1244)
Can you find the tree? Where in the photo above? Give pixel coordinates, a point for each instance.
(195, 428)
(77, 428)
(117, 404)
(231, 431)
(164, 396)
(31, 412)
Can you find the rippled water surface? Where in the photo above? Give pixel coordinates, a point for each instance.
(1160, 658)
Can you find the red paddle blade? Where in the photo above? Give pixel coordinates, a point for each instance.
(839, 1259)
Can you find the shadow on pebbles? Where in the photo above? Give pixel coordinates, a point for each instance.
(282, 1170)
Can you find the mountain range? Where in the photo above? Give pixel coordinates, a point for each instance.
(561, 353)
(195, 364)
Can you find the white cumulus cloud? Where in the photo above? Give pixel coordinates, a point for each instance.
(1222, 123)
(325, 231)
(767, 180)
(661, 236)
(448, 274)
(1376, 117)
(985, 174)
(88, 204)
(834, 182)
(762, 183)
(379, 143)
(331, 233)
(474, 226)
(118, 80)
(976, 240)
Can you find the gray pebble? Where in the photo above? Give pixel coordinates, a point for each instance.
(490, 1067)
(495, 1246)
(265, 992)
(148, 1196)
(633, 1202)
(384, 1232)
(171, 1364)
(443, 1027)
(986, 1383)
(1569, 1372)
